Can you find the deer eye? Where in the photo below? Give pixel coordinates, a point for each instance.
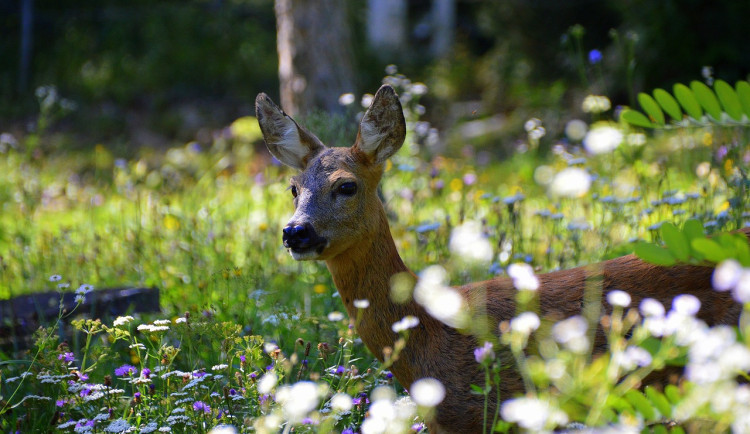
(347, 188)
(294, 191)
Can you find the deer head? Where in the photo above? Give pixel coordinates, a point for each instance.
(334, 193)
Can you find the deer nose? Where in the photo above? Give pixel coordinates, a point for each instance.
(300, 237)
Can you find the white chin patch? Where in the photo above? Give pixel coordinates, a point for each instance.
(305, 256)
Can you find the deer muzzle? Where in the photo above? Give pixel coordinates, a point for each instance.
(302, 241)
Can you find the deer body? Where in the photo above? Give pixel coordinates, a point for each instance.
(339, 219)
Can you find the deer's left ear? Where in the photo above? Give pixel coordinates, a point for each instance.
(383, 128)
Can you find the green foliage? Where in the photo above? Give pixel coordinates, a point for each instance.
(690, 245)
(723, 104)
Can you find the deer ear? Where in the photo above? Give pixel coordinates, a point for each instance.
(383, 128)
(288, 142)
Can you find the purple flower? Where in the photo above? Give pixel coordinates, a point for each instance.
(68, 357)
(199, 374)
(253, 375)
(347, 431)
(721, 153)
(484, 353)
(232, 392)
(595, 56)
(146, 373)
(243, 358)
(137, 395)
(470, 178)
(269, 367)
(60, 403)
(86, 391)
(84, 422)
(340, 370)
(201, 406)
(126, 370)
(82, 376)
(388, 374)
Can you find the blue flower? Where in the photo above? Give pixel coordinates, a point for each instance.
(595, 56)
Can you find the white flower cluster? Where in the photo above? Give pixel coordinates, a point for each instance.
(298, 400)
(596, 104)
(405, 323)
(387, 415)
(532, 414)
(157, 326)
(122, 320)
(469, 242)
(570, 182)
(602, 140)
(523, 277)
(730, 275)
(439, 300)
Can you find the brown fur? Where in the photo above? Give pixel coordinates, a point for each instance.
(362, 258)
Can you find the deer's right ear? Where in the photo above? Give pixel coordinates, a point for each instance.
(286, 140)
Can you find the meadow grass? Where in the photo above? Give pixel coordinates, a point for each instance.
(252, 339)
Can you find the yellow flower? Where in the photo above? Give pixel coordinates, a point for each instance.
(455, 184)
(319, 288)
(708, 139)
(262, 226)
(171, 222)
(723, 207)
(728, 166)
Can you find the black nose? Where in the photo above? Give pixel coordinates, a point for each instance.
(301, 238)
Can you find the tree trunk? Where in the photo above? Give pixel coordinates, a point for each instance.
(386, 27)
(443, 24)
(316, 64)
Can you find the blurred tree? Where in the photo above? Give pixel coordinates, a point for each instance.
(316, 64)
(443, 24)
(386, 27)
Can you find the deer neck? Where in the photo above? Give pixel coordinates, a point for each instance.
(364, 272)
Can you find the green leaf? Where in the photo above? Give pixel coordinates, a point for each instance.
(673, 394)
(729, 99)
(687, 100)
(659, 429)
(660, 401)
(710, 249)
(707, 98)
(651, 108)
(634, 117)
(641, 404)
(743, 92)
(476, 390)
(693, 229)
(677, 430)
(676, 241)
(654, 254)
(668, 103)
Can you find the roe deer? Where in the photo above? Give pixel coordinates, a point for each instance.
(340, 219)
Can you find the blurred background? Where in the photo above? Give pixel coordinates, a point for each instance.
(157, 73)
